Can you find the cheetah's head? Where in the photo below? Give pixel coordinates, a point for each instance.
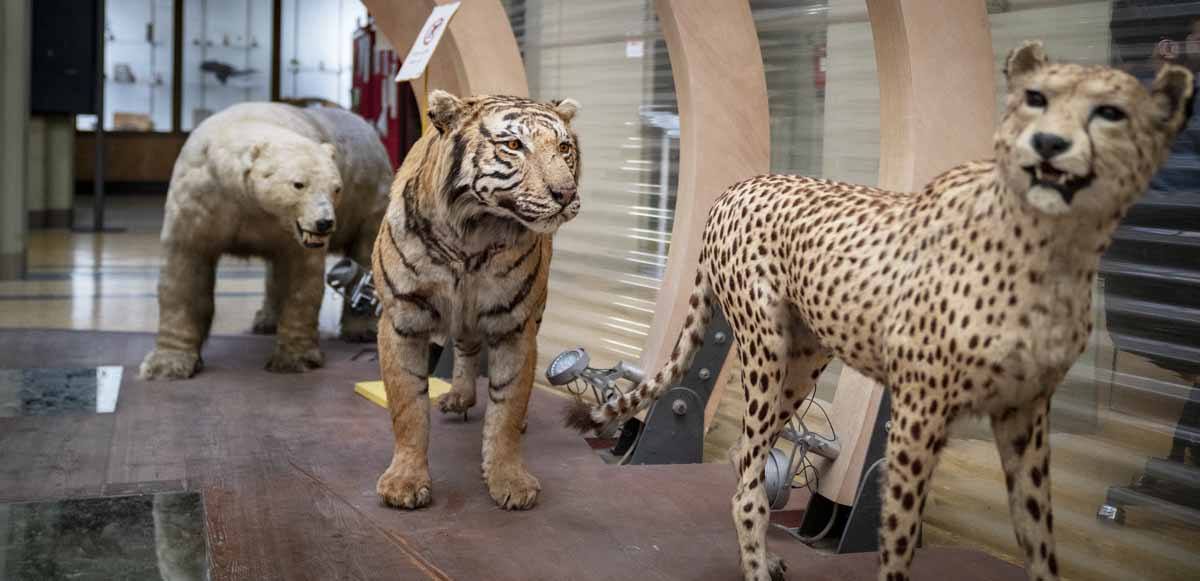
(1085, 139)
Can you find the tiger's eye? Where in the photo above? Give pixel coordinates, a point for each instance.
(298, 185)
(564, 148)
(1035, 99)
(513, 144)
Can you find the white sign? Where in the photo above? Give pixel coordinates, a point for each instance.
(635, 49)
(427, 41)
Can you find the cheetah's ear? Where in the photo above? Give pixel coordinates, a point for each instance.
(1024, 59)
(444, 109)
(566, 108)
(1173, 92)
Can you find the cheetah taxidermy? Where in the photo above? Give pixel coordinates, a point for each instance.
(972, 296)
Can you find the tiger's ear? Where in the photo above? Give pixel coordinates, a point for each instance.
(444, 109)
(566, 108)
(1024, 59)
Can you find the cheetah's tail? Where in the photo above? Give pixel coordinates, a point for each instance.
(583, 416)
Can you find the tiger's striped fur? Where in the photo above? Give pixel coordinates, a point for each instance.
(464, 253)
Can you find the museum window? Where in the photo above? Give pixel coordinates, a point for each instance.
(226, 56)
(138, 42)
(315, 55)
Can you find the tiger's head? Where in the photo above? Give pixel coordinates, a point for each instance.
(508, 157)
(1085, 140)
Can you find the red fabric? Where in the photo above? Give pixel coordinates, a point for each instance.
(387, 105)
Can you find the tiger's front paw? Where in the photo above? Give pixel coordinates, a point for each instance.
(285, 360)
(455, 402)
(405, 487)
(512, 487)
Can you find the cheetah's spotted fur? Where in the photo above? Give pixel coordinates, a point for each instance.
(972, 296)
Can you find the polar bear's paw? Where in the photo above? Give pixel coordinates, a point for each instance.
(169, 364)
(290, 360)
(265, 323)
(358, 328)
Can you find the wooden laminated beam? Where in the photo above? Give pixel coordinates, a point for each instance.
(477, 55)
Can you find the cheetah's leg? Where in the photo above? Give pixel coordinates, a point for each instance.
(762, 350)
(404, 363)
(461, 396)
(915, 441)
(1022, 437)
(806, 361)
(511, 361)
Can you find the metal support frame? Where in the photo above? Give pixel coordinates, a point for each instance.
(674, 429)
(855, 527)
(98, 192)
(1165, 488)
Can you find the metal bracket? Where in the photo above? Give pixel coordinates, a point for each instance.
(674, 430)
(857, 532)
(862, 528)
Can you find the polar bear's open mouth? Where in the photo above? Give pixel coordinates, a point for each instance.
(311, 239)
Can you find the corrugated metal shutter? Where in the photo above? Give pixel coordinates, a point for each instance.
(608, 262)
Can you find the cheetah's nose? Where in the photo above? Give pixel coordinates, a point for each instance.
(1049, 145)
(324, 226)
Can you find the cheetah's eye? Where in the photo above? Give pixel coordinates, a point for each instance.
(1035, 99)
(564, 148)
(298, 185)
(1109, 113)
(513, 144)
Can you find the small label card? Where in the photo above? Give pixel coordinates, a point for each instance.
(427, 41)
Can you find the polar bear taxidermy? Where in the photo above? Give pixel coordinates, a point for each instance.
(274, 181)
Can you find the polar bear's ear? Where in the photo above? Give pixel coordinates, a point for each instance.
(566, 108)
(444, 109)
(252, 154)
(331, 149)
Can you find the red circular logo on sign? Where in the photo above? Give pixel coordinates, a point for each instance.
(433, 30)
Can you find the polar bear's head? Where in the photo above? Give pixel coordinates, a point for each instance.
(298, 182)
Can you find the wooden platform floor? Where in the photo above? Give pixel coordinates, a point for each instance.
(287, 467)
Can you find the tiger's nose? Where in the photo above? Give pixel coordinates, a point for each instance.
(563, 196)
(324, 226)
(1049, 145)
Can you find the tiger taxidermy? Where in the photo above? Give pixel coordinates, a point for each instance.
(464, 254)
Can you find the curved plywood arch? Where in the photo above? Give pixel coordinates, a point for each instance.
(478, 53)
(725, 136)
(937, 107)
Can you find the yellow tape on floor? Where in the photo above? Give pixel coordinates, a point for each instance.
(374, 390)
